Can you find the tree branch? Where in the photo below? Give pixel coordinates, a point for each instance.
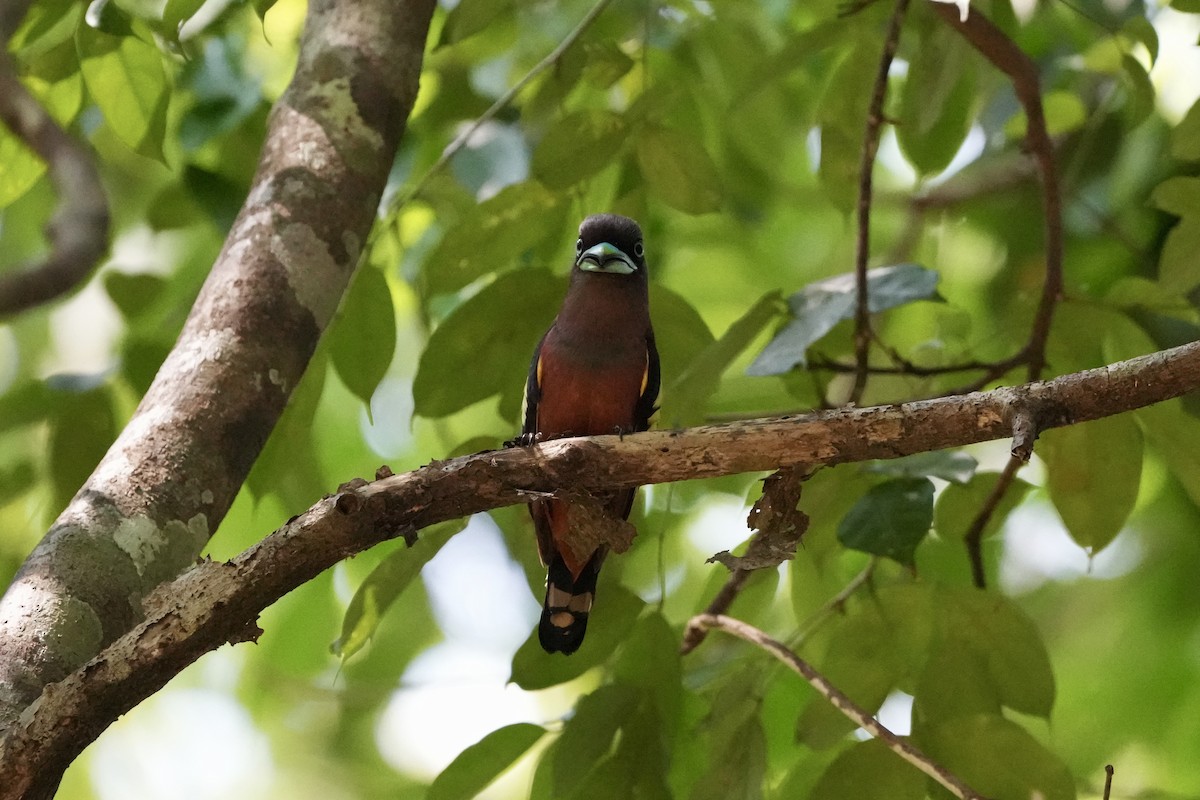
(217, 602)
(78, 230)
(862, 316)
(165, 484)
(838, 700)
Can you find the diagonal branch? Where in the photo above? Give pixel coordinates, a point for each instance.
(862, 317)
(78, 230)
(838, 700)
(216, 602)
(144, 514)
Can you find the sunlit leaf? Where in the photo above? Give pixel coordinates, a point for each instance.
(1093, 473)
(819, 306)
(1063, 111)
(481, 763)
(1185, 139)
(125, 78)
(1179, 195)
(1178, 267)
(678, 169)
(177, 12)
(890, 520)
(385, 583)
(362, 339)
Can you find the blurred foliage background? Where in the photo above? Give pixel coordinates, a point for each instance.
(732, 131)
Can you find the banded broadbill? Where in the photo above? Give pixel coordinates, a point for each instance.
(594, 372)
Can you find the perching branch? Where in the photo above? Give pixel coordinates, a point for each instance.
(78, 229)
(866, 167)
(217, 602)
(837, 699)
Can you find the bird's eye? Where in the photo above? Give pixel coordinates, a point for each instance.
(638, 250)
(579, 245)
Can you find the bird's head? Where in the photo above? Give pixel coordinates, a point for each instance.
(612, 245)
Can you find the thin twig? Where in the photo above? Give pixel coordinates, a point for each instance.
(78, 229)
(862, 314)
(839, 700)
(1108, 776)
(974, 537)
(1006, 56)
(501, 103)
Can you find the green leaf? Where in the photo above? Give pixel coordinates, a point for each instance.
(957, 506)
(999, 759)
(954, 683)
(677, 168)
(59, 90)
(1138, 29)
(687, 396)
(15, 480)
(492, 236)
(890, 520)
(466, 360)
(955, 466)
(386, 583)
(588, 736)
(936, 100)
(470, 17)
(1179, 195)
(177, 12)
(83, 428)
(1006, 640)
(1063, 111)
(133, 293)
(612, 616)
(869, 771)
(1093, 474)
(650, 660)
(577, 146)
(125, 78)
(1140, 90)
(737, 764)
(481, 763)
(362, 339)
(819, 306)
(1185, 139)
(1178, 267)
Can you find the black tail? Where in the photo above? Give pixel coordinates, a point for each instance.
(568, 601)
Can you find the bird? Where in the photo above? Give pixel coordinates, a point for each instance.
(595, 371)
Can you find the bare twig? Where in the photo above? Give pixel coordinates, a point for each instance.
(838, 700)
(1108, 778)
(1006, 56)
(862, 315)
(974, 536)
(78, 229)
(499, 105)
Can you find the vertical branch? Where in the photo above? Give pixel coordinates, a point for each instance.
(862, 318)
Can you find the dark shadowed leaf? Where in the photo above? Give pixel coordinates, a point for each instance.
(890, 520)
(385, 583)
(84, 427)
(133, 293)
(588, 736)
(819, 306)
(481, 763)
(936, 101)
(362, 339)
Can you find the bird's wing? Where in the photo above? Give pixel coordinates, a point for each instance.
(533, 394)
(648, 401)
